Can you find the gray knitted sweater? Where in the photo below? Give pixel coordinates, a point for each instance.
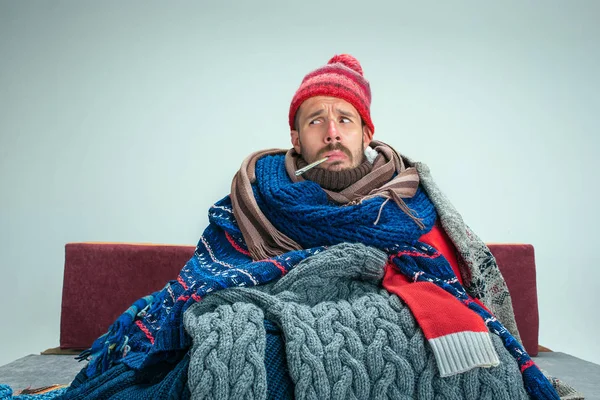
(346, 338)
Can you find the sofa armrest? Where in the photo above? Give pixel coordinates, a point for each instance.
(101, 280)
(517, 264)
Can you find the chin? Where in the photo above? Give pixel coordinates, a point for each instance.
(338, 167)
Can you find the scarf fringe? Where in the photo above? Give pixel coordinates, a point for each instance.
(407, 210)
(114, 343)
(101, 355)
(263, 250)
(400, 203)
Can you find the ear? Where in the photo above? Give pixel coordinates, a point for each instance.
(295, 136)
(367, 137)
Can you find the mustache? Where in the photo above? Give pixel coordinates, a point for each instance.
(333, 147)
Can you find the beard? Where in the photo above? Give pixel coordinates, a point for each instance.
(359, 155)
(333, 147)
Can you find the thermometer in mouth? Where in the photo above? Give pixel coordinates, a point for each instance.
(310, 166)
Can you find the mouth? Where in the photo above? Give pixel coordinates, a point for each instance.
(336, 155)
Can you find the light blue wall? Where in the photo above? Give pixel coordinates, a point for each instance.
(125, 121)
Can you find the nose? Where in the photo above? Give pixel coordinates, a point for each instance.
(332, 132)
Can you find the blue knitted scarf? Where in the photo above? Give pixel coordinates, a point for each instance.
(151, 331)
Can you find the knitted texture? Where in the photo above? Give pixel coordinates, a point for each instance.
(302, 211)
(441, 274)
(164, 380)
(227, 358)
(345, 337)
(6, 393)
(481, 276)
(460, 339)
(279, 383)
(336, 180)
(342, 78)
(564, 390)
(151, 331)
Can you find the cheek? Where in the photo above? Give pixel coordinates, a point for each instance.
(309, 142)
(358, 140)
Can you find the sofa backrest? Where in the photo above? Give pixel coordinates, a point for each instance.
(101, 280)
(517, 264)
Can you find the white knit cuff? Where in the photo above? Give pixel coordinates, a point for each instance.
(461, 351)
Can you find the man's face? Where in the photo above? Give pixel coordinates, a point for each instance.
(330, 127)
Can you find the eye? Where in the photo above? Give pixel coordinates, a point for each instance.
(345, 120)
(315, 122)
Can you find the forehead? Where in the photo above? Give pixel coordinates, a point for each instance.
(325, 103)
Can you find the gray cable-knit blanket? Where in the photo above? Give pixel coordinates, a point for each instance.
(345, 338)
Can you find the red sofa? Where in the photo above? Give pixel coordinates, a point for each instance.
(101, 280)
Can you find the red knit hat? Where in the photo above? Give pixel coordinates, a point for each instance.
(343, 78)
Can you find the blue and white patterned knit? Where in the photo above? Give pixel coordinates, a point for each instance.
(151, 331)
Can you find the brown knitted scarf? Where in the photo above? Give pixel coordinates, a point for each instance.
(335, 180)
(264, 240)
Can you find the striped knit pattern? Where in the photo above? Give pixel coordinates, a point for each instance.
(342, 78)
(458, 352)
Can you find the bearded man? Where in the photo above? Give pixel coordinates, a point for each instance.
(336, 269)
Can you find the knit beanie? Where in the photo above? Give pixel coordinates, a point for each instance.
(343, 78)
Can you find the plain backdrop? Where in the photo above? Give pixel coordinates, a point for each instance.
(124, 121)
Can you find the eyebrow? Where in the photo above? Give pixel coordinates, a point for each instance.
(345, 113)
(315, 114)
